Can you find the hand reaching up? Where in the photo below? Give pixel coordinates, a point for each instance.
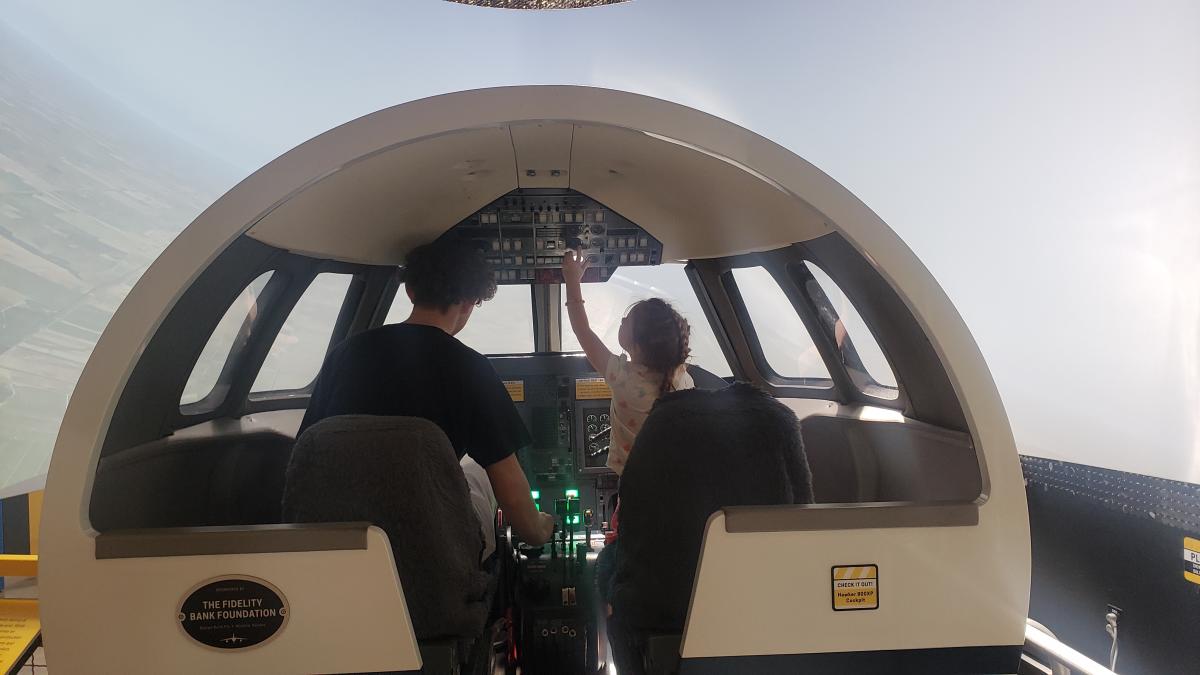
(574, 264)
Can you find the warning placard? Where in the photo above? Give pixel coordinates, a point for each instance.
(19, 627)
(855, 587)
(592, 389)
(1191, 560)
(516, 390)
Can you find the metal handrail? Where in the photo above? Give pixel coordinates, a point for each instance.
(1041, 645)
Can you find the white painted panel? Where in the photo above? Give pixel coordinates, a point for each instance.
(543, 148)
(379, 206)
(770, 592)
(347, 613)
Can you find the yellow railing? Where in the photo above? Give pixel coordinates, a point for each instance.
(18, 565)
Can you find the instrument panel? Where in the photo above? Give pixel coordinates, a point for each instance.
(525, 233)
(565, 405)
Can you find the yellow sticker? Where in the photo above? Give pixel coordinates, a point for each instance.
(592, 389)
(1191, 560)
(516, 390)
(855, 587)
(19, 627)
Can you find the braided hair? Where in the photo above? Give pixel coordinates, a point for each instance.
(662, 337)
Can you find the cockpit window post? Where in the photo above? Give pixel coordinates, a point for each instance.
(547, 317)
(732, 334)
(726, 342)
(367, 301)
(391, 285)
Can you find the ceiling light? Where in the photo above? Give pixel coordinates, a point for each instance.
(537, 4)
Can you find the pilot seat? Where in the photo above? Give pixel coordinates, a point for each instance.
(401, 474)
(699, 451)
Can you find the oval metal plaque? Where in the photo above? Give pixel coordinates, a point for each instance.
(233, 612)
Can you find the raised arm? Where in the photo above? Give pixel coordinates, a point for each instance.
(573, 266)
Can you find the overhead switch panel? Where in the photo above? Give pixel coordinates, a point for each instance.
(525, 233)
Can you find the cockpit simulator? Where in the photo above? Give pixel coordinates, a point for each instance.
(169, 474)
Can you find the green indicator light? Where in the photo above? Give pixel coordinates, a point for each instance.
(535, 494)
(572, 494)
(574, 520)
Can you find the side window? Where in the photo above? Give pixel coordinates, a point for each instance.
(231, 334)
(786, 345)
(861, 354)
(299, 349)
(502, 325)
(608, 302)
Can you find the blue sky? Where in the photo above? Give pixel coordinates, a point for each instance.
(1042, 158)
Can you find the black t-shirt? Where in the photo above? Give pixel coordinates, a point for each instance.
(421, 371)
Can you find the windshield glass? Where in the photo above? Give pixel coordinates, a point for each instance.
(786, 344)
(502, 325)
(239, 319)
(608, 302)
(299, 348)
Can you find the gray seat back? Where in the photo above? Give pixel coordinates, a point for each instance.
(698, 452)
(401, 474)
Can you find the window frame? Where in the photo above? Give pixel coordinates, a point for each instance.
(217, 398)
(860, 377)
(291, 278)
(373, 288)
(705, 305)
(368, 285)
(729, 282)
(246, 333)
(749, 361)
(253, 394)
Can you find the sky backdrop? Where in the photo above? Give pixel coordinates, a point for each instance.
(1042, 158)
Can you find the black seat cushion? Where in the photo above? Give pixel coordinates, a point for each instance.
(699, 451)
(401, 474)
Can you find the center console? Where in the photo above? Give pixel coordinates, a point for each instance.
(558, 614)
